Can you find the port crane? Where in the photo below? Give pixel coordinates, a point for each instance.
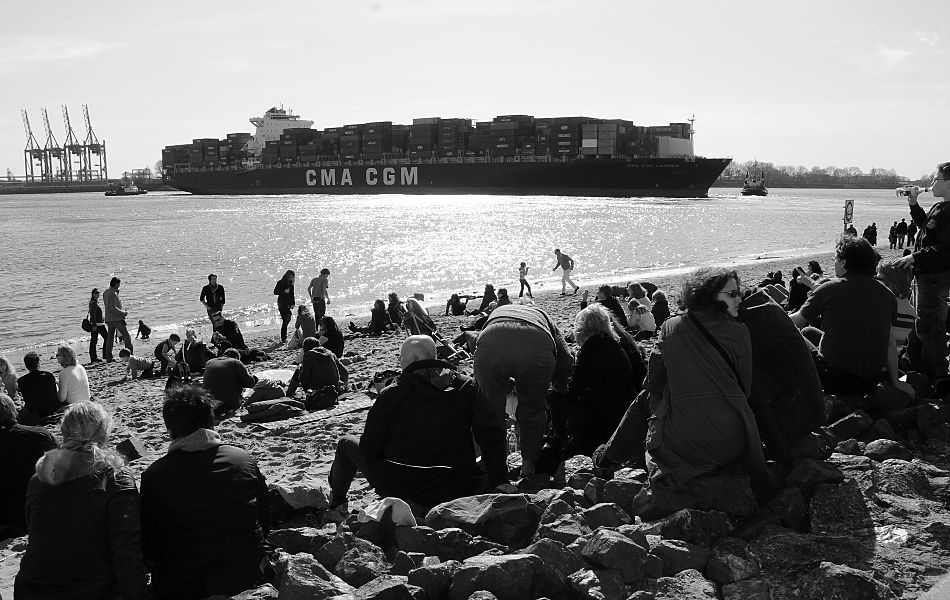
(33, 153)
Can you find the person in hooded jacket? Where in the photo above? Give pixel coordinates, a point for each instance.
(82, 514)
(319, 368)
(20, 446)
(417, 441)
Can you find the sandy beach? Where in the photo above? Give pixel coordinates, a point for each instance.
(306, 449)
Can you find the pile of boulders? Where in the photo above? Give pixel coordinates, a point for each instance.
(864, 515)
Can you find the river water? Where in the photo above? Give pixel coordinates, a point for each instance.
(163, 245)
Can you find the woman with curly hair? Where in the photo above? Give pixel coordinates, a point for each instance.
(8, 378)
(698, 379)
(82, 512)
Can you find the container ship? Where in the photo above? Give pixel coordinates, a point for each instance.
(511, 155)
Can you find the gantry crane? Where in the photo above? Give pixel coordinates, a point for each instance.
(73, 153)
(52, 152)
(33, 153)
(97, 168)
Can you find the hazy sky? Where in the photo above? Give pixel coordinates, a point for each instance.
(861, 84)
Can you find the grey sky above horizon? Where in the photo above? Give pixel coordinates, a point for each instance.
(807, 83)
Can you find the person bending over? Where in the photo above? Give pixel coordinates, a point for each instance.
(225, 378)
(205, 507)
(226, 334)
(165, 352)
(38, 388)
(320, 368)
(853, 347)
(417, 441)
(21, 446)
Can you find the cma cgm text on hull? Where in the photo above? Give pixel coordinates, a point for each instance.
(514, 154)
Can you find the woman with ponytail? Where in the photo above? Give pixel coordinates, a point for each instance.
(82, 513)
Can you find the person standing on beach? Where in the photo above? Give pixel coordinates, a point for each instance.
(901, 233)
(115, 319)
(284, 290)
(212, 296)
(931, 263)
(319, 295)
(566, 264)
(523, 278)
(98, 326)
(911, 234)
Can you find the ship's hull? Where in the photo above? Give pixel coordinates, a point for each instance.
(621, 177)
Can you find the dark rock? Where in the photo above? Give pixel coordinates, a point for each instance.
(686, 585)
(838, 406)
(555, 510)
(509, 577)
(700, 527)
(939, 432)
(304, 579)
(678, 555)
(729, 568)
(838, 582)
(417, 557)
(564, 529)
(412, 539)
(881, 430)
(753, 526)
(402, 564)
(729, 545)
(881, 450)
(388, 587)
(814, 444)
(612, 550)
(606, 514)
(577, 465)
(545, 497)
(449, 544)
(509, 519)
(480, 545)
(656, 502)
(789, 507)
(594, 490)
(807, 473)
(601, 584)
(852, 446)
(747, 589)
(622, 491)
(931, 414)
(132, 449)
(725, 490)
(435, 579)
(430, 561)
(886, 397)
(361, 564)
(635, 534)
(920, 383)
(483, 595)
(264, 592)
(577, 546)
(652, 567)
(330, 553)
(902, 478)
(851, 426)
(300, 539)
(558, 561)
(781, 552)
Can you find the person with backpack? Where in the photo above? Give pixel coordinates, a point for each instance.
(319, 369)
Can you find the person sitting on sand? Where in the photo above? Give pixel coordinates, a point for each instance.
(695, 394)
(193, 351)
(227, 334)
(853, 348)
(661, 308)
(456, 305)
(519, 342)
(38, 388)
(395, 309)
(318, 369)
(20, 446)
(379, 321)
(73, 381)
(136, 367)
(165, 352)
(225, 378)
(601, 388)
(605, 296)
(641, 319)
(503, 298)
(82, 513)
(330, 336)
(797, 291)
(417, 440)
(487, 298)
(205, 507)
(305, 326)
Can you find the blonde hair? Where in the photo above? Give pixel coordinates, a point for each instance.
(8, 412)
(86, 427)
(68, 354)
(6, 366)
(593, 320)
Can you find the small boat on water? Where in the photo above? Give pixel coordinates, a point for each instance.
(754, 183)
(126, 188)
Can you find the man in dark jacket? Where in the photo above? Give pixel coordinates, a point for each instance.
(931, 263)
(205, 507)
(38, 388)
(212, 295)
(319, 368)
(227, 334)
(226, 377)
(20, 447)
(417, 441)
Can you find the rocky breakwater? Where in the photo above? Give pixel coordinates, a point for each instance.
(863, 515)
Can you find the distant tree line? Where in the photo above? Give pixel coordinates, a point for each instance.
(818, 177)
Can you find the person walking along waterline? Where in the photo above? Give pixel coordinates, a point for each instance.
(566, 263)
(284, 290)
(115, 319)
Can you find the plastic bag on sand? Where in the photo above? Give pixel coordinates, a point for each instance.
(303, 491)
(402, 514)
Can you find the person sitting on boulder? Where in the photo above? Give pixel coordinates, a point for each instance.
(225, 378)
(852, 350)
(21, 446)
(417, 441)
(40, 395)
(205, 507)
(320, 368)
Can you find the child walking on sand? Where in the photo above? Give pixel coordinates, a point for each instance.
(523, 278)
(135, 366)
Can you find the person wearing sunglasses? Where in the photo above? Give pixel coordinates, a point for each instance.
(931, 264)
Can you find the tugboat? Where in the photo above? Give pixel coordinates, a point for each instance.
(754, 182)
(126, 188)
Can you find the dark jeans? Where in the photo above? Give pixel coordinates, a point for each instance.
(94, 341)
(524, 284)
(834, 380)
(162, 359)
(285, 315)
(115, 326)
(319, 309)
(932, 292)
